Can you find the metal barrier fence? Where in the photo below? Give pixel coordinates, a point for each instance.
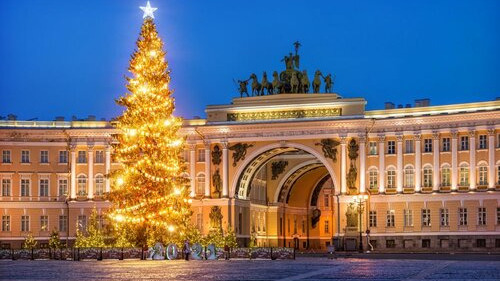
(136, 253)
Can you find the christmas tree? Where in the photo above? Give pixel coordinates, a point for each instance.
(149, 195)
(92, 236)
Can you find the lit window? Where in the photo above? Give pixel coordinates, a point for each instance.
(99, 185)
(483, 175)
(201, 155)
(408, 217)
(445, 176)
(5, 223)
(390, 218)
(200, 184)
(63, 187)
(464, 175)
(6, 185)
(427, 176)
(99, 156)
(372, 148)
(409, 146)
(409, 177)
(82, 185)
(481, 216)
(82, 222)
(327, 226)
(44, 223)
(373, 178)
(462, 216)
(391, 178)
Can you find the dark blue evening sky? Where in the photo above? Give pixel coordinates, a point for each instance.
(69, 57)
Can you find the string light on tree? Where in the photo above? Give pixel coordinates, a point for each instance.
(149, 195)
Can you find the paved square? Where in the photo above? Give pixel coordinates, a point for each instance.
(299, 269)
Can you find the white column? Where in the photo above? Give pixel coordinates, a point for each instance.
(472, 156)
(192, 169)
(108, 168)
(399, 184)
(343, 165)
(381, 164)
(207, 170)
(225, 170)
(491, 158)
(418, 162)
(454, 152)
(436, 150)
(362, 165)
(90, 163)
(73, 171)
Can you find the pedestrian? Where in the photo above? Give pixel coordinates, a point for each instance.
(186, 250)
(226, 251)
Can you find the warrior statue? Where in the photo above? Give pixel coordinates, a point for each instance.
(243, 87)
(277, 85)
(304, 81)
(255, 84)
(328, 83)
(316, 81)
(296, 58)
(288, 61)
(294, 83)
(266, 85)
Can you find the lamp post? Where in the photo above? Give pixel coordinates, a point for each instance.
(360, 201)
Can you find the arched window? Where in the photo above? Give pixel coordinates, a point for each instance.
(373, 178)
(427, 181)
(99, 185)
(445, 176)
(464, 174)
(483, 174)
(409, 177)
(82, 185)
(391, 178)
(200, 184)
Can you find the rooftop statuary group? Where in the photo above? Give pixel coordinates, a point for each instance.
(291, 80)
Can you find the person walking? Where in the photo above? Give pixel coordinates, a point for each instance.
(226, 251)
(186, 249)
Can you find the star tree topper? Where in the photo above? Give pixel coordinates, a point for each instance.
(148, 11)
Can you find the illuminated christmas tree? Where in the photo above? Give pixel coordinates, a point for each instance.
(149, 195)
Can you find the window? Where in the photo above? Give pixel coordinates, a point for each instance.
(63, 156)
(25, 156)
(82, 185)
(82, 222)
(99, 156)
(409, 176)
(426, 217)
(426, 243)
(82, 157)
(5, 223)
(200, 184)
(201, 155)
(390, 218)
(408, 217)
(44, 187)
(427, 145)
(444, 217)
(483, 175)
(391, 178)
(390, 243)
(185, 155)
(327, 226)
(409, 146)
(498, 216)
(25, 187)
(44, 156)
(391, 147)
(63, 223)
(327, 200)
(303, 226)
(445, 176)
(481, 216)
(446, 144)
(482, 142)
(372, 148)
(44, 223)
(462, 216)
(464, 175)
(427, 177)
(373, 179)
(199, 222)
(99, 185)
(25, 223)
(373, 218)
(464, 143)
(6, 156)
(6, 187)
(481, 243)
(63, 187)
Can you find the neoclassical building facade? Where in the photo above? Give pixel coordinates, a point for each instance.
(295, 170)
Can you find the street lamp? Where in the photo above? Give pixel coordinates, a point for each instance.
(360, 201)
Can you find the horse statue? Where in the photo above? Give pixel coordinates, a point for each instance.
(294, 83)
(277, 85)
(317, 81)
(266, 85)
(304, 81)
(255, 85)
(243, 87)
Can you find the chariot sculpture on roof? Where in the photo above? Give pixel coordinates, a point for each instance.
(291, 80)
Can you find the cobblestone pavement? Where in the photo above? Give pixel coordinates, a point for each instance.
(299, 269)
